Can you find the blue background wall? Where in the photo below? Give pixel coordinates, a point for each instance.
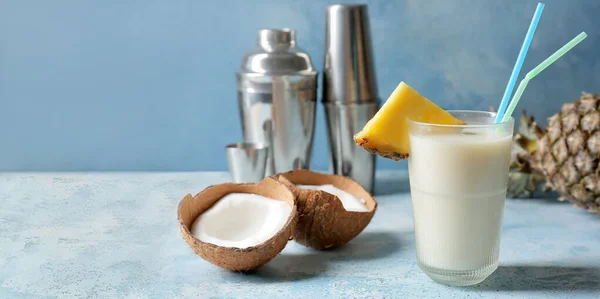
(149, 85)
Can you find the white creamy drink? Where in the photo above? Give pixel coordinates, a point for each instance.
(458, 179)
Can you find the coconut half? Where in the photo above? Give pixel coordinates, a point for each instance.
(324, 220)
(238, 227)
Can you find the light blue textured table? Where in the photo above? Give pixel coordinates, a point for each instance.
(115, 235)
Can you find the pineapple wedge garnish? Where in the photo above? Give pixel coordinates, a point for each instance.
(386, 134)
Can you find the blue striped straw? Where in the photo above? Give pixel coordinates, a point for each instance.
(517, 68)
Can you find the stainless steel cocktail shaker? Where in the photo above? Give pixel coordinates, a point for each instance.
(349, 90)
(277, 92)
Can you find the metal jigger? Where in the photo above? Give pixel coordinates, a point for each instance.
(349, 90)
(247, 161)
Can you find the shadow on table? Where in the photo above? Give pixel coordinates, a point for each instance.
(292, 267)
(366, 246)
(392, 185)
(539, 278)
(550, 197)
(300, 266)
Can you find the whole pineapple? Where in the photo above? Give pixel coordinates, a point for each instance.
(566, 155)
(569, 153)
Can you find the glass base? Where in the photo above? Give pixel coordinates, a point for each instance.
(458, 278)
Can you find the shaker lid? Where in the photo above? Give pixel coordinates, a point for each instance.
(276, 54)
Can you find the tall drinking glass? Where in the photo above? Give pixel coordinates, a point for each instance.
(458, 178)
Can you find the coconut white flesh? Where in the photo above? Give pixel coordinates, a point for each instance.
(349, 202)
(241, 220)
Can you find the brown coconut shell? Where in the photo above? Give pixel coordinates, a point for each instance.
(236, 259)
(323, 222)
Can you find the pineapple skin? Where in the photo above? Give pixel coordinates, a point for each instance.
(569, 153)
(386, 134)
(364, 143)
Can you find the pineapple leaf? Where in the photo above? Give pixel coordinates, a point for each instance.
(526, 144)
(523, 124)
